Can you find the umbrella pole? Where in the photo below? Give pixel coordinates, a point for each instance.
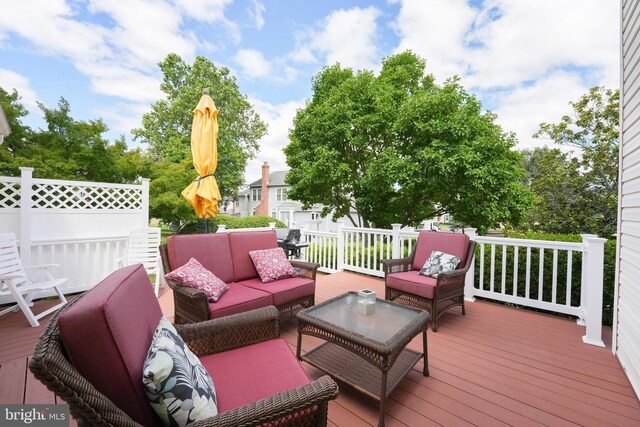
(206, 225)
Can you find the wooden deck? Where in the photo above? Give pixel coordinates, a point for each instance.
(494, 366)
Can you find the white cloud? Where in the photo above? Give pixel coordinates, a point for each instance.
(345, 36)
(10, 80)
(435, 30)
(279, 118)
(252, 63)
(257, 14)
(523, 109)
(123, 117)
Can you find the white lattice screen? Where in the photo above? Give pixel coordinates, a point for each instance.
(76, 196)
(9, 192)
(81, 226)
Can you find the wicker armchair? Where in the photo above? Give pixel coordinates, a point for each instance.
(436, 295)
(192, 305)
(305, 406)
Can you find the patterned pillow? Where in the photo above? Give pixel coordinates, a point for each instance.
(439, 262)
(179, 388)
(272, 264)
(194, 275)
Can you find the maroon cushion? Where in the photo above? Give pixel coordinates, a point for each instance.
(254, 372)
(284, 290)
(413, 283)
(107, 334)
(244, 241)
(449, 243)
(211, 250)
(238, 299)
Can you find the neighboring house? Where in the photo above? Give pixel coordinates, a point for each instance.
(626, 333)
(5, 130)
(276, 204)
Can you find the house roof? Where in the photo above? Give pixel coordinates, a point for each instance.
(276, 178)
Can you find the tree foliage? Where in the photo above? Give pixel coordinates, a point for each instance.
(580, 193)
(398, 148)
(67, 148)
(167, 131)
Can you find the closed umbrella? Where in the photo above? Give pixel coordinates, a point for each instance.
(203, 193)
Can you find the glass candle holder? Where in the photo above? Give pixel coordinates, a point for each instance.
(366, 301)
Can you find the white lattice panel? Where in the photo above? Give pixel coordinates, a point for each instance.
(71, 195)
(9, 192)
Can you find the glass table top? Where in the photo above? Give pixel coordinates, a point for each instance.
(382, 325)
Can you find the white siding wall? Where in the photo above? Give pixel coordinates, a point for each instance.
(627, 322)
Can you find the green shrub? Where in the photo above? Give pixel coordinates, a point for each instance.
(576, 270)
(231, 222)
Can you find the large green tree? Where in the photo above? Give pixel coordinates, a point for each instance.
(67, 148)
(591, 128)
(399, 148)
(167, 131)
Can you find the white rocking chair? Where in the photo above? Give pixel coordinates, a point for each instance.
(143, 249)
(14, 281)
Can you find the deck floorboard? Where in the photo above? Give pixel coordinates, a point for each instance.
(495, 366)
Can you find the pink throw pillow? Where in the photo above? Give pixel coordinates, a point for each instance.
(194, 275)
(272, 264)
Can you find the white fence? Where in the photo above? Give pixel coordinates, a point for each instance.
(82, 226)
(531, 273)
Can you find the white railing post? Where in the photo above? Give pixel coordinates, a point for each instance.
(395, 240)
(222, 228)
(145, 202)
(340, 243)
(272, 225)
(592, 288)
(26, 184)
(469, 289)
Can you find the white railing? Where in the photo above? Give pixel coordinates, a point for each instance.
(82, 226)
(531, 273)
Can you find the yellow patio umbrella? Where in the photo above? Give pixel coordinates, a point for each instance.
(203, 193)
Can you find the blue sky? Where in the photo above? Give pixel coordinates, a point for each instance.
(525, 59)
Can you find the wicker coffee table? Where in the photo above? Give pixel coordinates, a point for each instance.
(367, 352)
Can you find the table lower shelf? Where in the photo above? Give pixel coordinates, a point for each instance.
(351, 369)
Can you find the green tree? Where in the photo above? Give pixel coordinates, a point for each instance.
(17, 143)
(167, 128)
(67, 148)
(592, 128)
(397, 147)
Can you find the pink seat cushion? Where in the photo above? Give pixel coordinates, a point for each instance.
(449, 243)
(107, 334)
(211, 250)
(254, 372)
(284, 290)
(238, 299)
(243, 242)
(413, 283)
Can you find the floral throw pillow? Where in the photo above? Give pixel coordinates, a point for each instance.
(272, 264)
(179, 388)
(439, 262)
(194, 275)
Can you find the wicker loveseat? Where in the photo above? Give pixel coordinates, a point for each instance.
(404, 284)
(227, 256)
(91, 354)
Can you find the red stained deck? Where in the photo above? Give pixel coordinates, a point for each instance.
(494, 366)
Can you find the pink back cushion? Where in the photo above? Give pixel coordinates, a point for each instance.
(211, 250)
(244, 241)
(450, 243)
(107, 334)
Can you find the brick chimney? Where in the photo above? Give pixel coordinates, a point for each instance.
(263, 207)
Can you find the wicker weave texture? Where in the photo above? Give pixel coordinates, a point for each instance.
(302, 406)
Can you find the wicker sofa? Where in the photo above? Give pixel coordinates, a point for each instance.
(91, 354)
(227, 256)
